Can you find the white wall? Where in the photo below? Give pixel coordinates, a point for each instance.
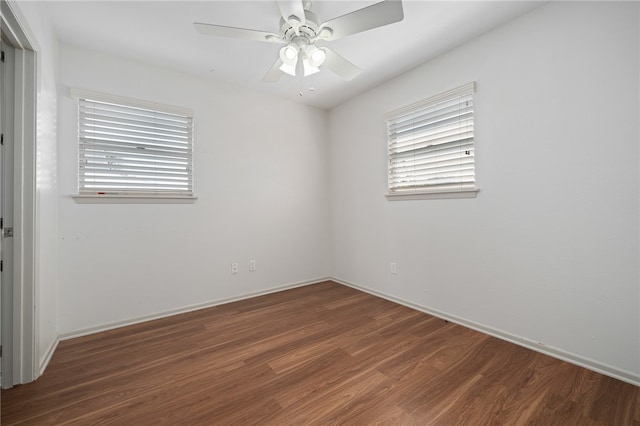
(548, 252)
(40, 31)
(261, 181)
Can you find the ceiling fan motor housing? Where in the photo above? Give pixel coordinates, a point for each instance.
(293, 28)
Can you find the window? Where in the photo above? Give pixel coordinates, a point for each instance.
(132, 148)
(431, 149)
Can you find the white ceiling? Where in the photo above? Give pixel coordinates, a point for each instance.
(162, 33)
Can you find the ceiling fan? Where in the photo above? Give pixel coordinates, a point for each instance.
(300, 29)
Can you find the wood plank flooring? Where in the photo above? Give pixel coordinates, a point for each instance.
(321, 354)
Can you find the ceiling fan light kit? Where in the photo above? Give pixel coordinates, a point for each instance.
(315, 56)
(300, 29)
(299, 50)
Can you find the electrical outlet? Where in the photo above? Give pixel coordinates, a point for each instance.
(234, 268)
(252, 265)
(393, 268)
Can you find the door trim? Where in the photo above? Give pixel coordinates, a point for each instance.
(23, 341)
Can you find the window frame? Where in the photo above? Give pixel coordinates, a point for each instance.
(132, 196)
(424, 191)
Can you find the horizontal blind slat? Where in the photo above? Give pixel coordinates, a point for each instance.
(134, 180)
(114, 148)
(447, 123)
(101, 127)
(424, 166)
(434, 151)
(133, 139)
(438, 139)
(419, 119)
(93, 171)
(91, 117)
(133, 112)
(438, 183)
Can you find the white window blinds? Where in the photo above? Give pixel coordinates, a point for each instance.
(132, 150)
(430, 144)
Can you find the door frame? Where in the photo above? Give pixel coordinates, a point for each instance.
(22, 344)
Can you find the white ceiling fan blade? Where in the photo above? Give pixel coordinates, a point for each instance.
(339, 65)
(292, 8)
(234, 32)
(374, 16)
(274, 73)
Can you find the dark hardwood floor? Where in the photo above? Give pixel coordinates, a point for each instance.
(321, 354)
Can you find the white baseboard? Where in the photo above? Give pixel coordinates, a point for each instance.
(44, 362)
(185, 309)
(608, 370)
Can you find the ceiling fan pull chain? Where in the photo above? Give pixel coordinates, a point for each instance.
(312, 87)
(300, 73)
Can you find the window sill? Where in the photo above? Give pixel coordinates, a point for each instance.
(432, 195)
(133, 199)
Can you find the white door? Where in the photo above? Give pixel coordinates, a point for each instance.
(1, 191)
(6, 212)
